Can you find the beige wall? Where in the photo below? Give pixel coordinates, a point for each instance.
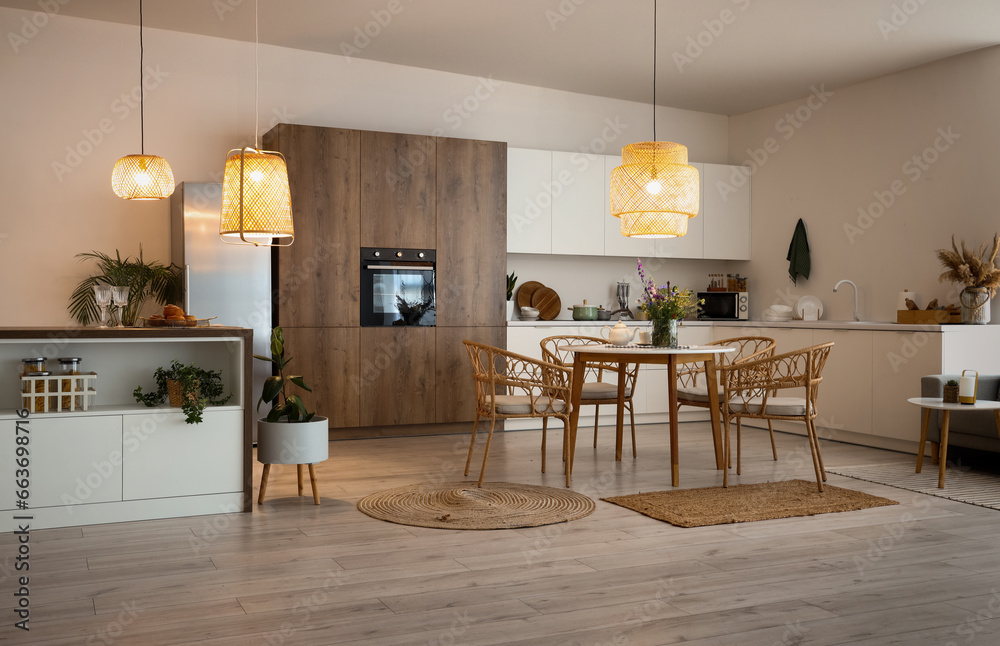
(860, 141)
(69, 77)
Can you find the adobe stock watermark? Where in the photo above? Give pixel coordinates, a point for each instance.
(562, 13)
(786, 126)
(714, 28)
(899, 15)
(121, 107)
(526, 214)
(913, 169)
(365, 34)
(32, 25)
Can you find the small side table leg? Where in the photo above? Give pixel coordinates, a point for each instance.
(923, 439)
(263, 484)
(935, 453)
(944, 447)
(312, 480)
(298, 470)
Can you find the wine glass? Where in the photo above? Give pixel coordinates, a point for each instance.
(119, 295)
(102, 296)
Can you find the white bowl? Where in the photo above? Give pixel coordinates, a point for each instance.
(781, 309)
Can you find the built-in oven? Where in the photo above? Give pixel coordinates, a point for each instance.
(397, 287)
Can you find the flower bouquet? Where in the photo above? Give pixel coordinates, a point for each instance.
(665, 306)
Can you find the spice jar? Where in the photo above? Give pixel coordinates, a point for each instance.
(70, 366)
(34, 367)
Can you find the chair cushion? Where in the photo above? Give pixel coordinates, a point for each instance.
(787, 406)
(601, 390)
(696, 393)
(521, 404)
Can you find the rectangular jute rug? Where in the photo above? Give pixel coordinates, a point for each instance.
(746, 502)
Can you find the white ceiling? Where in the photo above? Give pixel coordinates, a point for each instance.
(771, 51)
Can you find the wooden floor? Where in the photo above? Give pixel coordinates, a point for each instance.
(924, 572)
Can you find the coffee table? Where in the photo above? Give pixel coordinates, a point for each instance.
(936, 403)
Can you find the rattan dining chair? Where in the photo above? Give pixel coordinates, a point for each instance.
(751, 388)
(510, 385)
(596, 391)
(692, 386)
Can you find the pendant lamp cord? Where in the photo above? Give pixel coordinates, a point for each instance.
(142, 131)
(654, 70)
(256, 75)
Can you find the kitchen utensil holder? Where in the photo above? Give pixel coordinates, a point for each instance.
(80, 388)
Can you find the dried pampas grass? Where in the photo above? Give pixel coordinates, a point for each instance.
(971, 268)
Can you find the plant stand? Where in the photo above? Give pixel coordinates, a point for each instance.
(298, 468)
(298, 443)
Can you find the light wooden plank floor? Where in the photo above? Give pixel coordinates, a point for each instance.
(924, 572)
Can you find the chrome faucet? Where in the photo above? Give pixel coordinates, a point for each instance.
(857, 313)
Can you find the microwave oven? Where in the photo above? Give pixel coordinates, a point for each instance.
(724, 306)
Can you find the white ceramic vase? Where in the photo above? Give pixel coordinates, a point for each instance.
(293, 442)
(510, 310)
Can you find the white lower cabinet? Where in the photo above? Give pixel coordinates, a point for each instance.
(166, 457)
(845, 396)
(899, 360)
(72, 461)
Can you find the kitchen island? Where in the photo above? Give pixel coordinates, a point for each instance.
(873, 369)
(119, 460)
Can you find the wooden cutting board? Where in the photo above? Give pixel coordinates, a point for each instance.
(547, 302)
(525, 292)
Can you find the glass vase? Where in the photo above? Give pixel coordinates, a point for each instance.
(665, 333)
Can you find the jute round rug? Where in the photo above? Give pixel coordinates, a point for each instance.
(463, 505)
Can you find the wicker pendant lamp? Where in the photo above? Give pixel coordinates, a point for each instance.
(256, 201)
(142, 176)
(654, 191)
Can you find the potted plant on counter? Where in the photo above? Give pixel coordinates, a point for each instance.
(289, 434)
(185, 386)
(976, 270)
(145, 280)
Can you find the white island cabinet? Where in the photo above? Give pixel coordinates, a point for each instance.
(119, 460)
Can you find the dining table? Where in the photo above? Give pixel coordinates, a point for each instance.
(648, 354)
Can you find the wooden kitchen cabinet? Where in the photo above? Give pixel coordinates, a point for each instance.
(324, 179)
(471, 233)
(726, 213)
(577, 204)
(398, 190)
(899, 360)
(397, 375)
(455, 394)
(529, 201)
(329, 360)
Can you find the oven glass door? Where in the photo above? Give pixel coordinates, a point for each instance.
(397, 295)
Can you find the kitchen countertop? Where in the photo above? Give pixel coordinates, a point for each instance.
(809, 325)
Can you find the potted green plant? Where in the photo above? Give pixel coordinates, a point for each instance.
(950, 392)
(185, 386)
(289, 433)
(145, 280)
(511, 281)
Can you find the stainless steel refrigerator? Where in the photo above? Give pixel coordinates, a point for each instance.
(229, 282)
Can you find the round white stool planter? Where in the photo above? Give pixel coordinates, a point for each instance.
(295, 443)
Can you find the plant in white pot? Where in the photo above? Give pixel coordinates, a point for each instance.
(289, 434)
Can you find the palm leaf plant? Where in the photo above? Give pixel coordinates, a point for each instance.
(145, 280)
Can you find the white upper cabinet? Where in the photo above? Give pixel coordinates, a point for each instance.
(692, 244)
(615, 244)
(727, 211)
(577, 204)
(529, 201)
(560, 203)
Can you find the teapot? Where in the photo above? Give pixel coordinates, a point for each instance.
(618, 335)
